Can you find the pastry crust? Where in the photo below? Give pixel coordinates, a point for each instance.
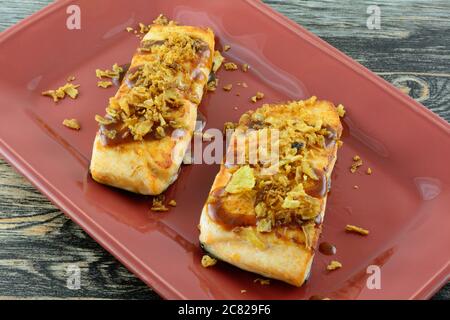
(285, 252)
(150, 165)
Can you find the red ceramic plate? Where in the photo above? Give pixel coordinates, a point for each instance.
(405, 202)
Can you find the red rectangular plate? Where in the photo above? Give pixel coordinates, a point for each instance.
(404, 203)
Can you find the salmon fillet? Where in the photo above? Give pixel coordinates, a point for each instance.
(268, 221)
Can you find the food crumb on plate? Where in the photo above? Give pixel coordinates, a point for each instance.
(158, 204)
(263, 282)
(369, 171)
(207, 261)
(230, 66)
(245, 67)
(72, 124)
(226, 47)
(355, 229)
(228, 87)
(357, 162)
(69, 89)
(104, 84)
(258, 96)
(172, 203)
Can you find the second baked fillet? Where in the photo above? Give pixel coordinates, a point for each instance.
(150, 121)
(265, 216)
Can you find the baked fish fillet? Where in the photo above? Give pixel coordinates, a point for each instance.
(151, 119)
(265, 216)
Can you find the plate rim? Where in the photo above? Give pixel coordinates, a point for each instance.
(120, 252)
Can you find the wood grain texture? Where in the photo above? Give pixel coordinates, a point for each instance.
(38, 243)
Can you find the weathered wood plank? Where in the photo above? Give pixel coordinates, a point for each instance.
(39, 243)
(411, 50)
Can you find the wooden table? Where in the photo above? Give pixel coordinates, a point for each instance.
(412, 50)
